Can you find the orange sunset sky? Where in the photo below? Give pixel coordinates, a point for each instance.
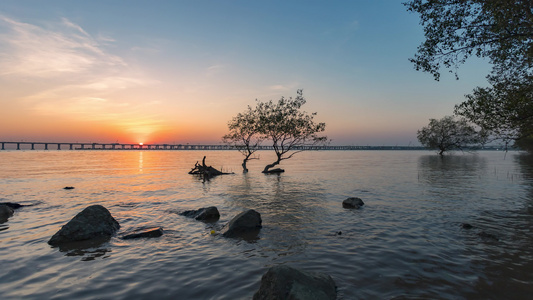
(178, 71)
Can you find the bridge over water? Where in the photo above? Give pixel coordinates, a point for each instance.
(119, 146)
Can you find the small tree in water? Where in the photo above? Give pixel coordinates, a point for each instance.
(449, 133)
(243, 135)
(288, 128)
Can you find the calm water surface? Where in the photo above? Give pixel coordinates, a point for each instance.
(407, 242)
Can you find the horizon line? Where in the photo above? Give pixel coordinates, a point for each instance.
(188, 146)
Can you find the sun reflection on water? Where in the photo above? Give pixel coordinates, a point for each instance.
(140, 161)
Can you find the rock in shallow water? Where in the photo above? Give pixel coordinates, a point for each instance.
(5, 213)
(93, 222)
(274, 171)
(488, 236)
(466, 226)
(283, 282)
(146, 233)
(13, 205)
(246, 223)
(353, 202)
(207, 214)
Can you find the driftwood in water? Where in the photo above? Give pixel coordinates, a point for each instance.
(205, 171)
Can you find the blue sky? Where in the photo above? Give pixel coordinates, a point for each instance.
(177, 71)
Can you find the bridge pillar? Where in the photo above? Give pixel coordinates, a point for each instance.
(45, 146)
(32, 146)
(18, 146)
(58, 146)
(3, 148)
(70, 148)
(82, 146)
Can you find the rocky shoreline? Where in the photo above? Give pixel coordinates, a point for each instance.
(96, 225)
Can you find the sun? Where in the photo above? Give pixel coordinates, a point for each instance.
(140, 144)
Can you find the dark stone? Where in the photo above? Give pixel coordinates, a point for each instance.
(68, 188)
(488, 236)
(93, 222)
(88, 249)
(208, 214)
(353, 202)
(246, 223)
(466, 226)
(147, 233)
(274, 171)
(283, 282)
(5, 213)
(13, 205)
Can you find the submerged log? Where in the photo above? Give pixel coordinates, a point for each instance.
(205, 171)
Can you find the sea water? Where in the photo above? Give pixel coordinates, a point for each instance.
(407, 241)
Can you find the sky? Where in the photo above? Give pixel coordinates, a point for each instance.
(178, 71)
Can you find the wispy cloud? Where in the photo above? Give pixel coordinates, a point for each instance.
(84, 80)
(67, 23)
(278, 87)
(215, 69)
(33, 51)
(89, 100)
(284, 87)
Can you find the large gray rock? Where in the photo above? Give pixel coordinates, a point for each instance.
(283, 282)
(207, 214)
(93, 222)
(5, 213)
(244, 224)
(353, 202)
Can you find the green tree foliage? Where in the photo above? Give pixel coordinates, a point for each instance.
(504, 110)
(288, 128)
(500, 30)
(449, 133)
(283, 123)
(244, 136)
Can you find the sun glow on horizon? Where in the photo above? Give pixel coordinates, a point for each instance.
(66, 77)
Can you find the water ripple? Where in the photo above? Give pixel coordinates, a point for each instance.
(407, 242)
